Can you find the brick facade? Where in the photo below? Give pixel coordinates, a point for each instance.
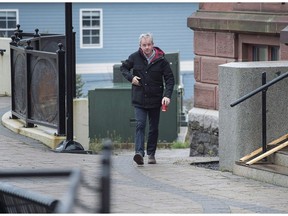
(220, 38)
(211, 49)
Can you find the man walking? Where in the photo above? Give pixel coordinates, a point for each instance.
(152, 86)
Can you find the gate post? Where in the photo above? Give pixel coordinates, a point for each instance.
(61, 90)
(12, 43)
(28, 85)
(69, 145)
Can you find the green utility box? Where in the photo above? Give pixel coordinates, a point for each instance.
(111, 114)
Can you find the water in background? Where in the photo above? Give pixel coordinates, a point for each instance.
(92, 81)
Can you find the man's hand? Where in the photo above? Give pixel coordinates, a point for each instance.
(135, 81)
(166, 101)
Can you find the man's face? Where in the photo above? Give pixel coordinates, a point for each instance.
(147, 46)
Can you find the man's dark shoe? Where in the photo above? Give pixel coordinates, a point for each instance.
(138, 158)
(151, 159)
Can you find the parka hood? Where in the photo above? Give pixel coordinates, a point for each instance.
(158, 53)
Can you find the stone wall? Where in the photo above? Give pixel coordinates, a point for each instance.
(203, 132)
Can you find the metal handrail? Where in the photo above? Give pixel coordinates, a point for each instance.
(262, 89)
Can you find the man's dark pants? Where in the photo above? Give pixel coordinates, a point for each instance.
(141, 115)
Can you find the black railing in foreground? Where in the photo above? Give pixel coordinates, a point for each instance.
(18, 200)
(262, 89)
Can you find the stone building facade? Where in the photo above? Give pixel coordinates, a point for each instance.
(223, 33)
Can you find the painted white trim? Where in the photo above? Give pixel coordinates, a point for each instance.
(94, 68)
(186, 66)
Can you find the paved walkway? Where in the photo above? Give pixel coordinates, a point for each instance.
(170, 186)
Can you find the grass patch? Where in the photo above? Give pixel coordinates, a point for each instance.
(96, 145)
(179, 145)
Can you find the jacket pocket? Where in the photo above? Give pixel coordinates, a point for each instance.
(137, 95)
(156, 91)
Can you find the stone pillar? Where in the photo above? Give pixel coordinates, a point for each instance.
(240, 127)
(5, 71)
(81, 121)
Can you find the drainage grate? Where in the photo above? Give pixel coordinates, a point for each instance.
(214, 165)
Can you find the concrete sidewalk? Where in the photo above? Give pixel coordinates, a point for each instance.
(170, 186)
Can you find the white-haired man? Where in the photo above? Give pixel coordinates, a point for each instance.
(150, 68)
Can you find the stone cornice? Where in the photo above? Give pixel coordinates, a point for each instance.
(248, 22)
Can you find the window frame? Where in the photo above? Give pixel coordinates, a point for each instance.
(17, 20)
(91, 46)
(250, 51)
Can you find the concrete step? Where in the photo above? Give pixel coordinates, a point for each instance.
(274, 170)
(280, 157)
(264, 172)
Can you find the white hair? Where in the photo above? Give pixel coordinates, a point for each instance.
(146, 35)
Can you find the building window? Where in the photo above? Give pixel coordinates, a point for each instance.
(265, 53)
(274, 53)
(91, 29)
(8, 22)
(259, 53)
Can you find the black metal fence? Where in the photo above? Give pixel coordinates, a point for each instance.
(38, 79)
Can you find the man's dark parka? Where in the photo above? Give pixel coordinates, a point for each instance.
(153, 76)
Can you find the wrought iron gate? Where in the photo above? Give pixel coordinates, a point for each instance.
(38, 79)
